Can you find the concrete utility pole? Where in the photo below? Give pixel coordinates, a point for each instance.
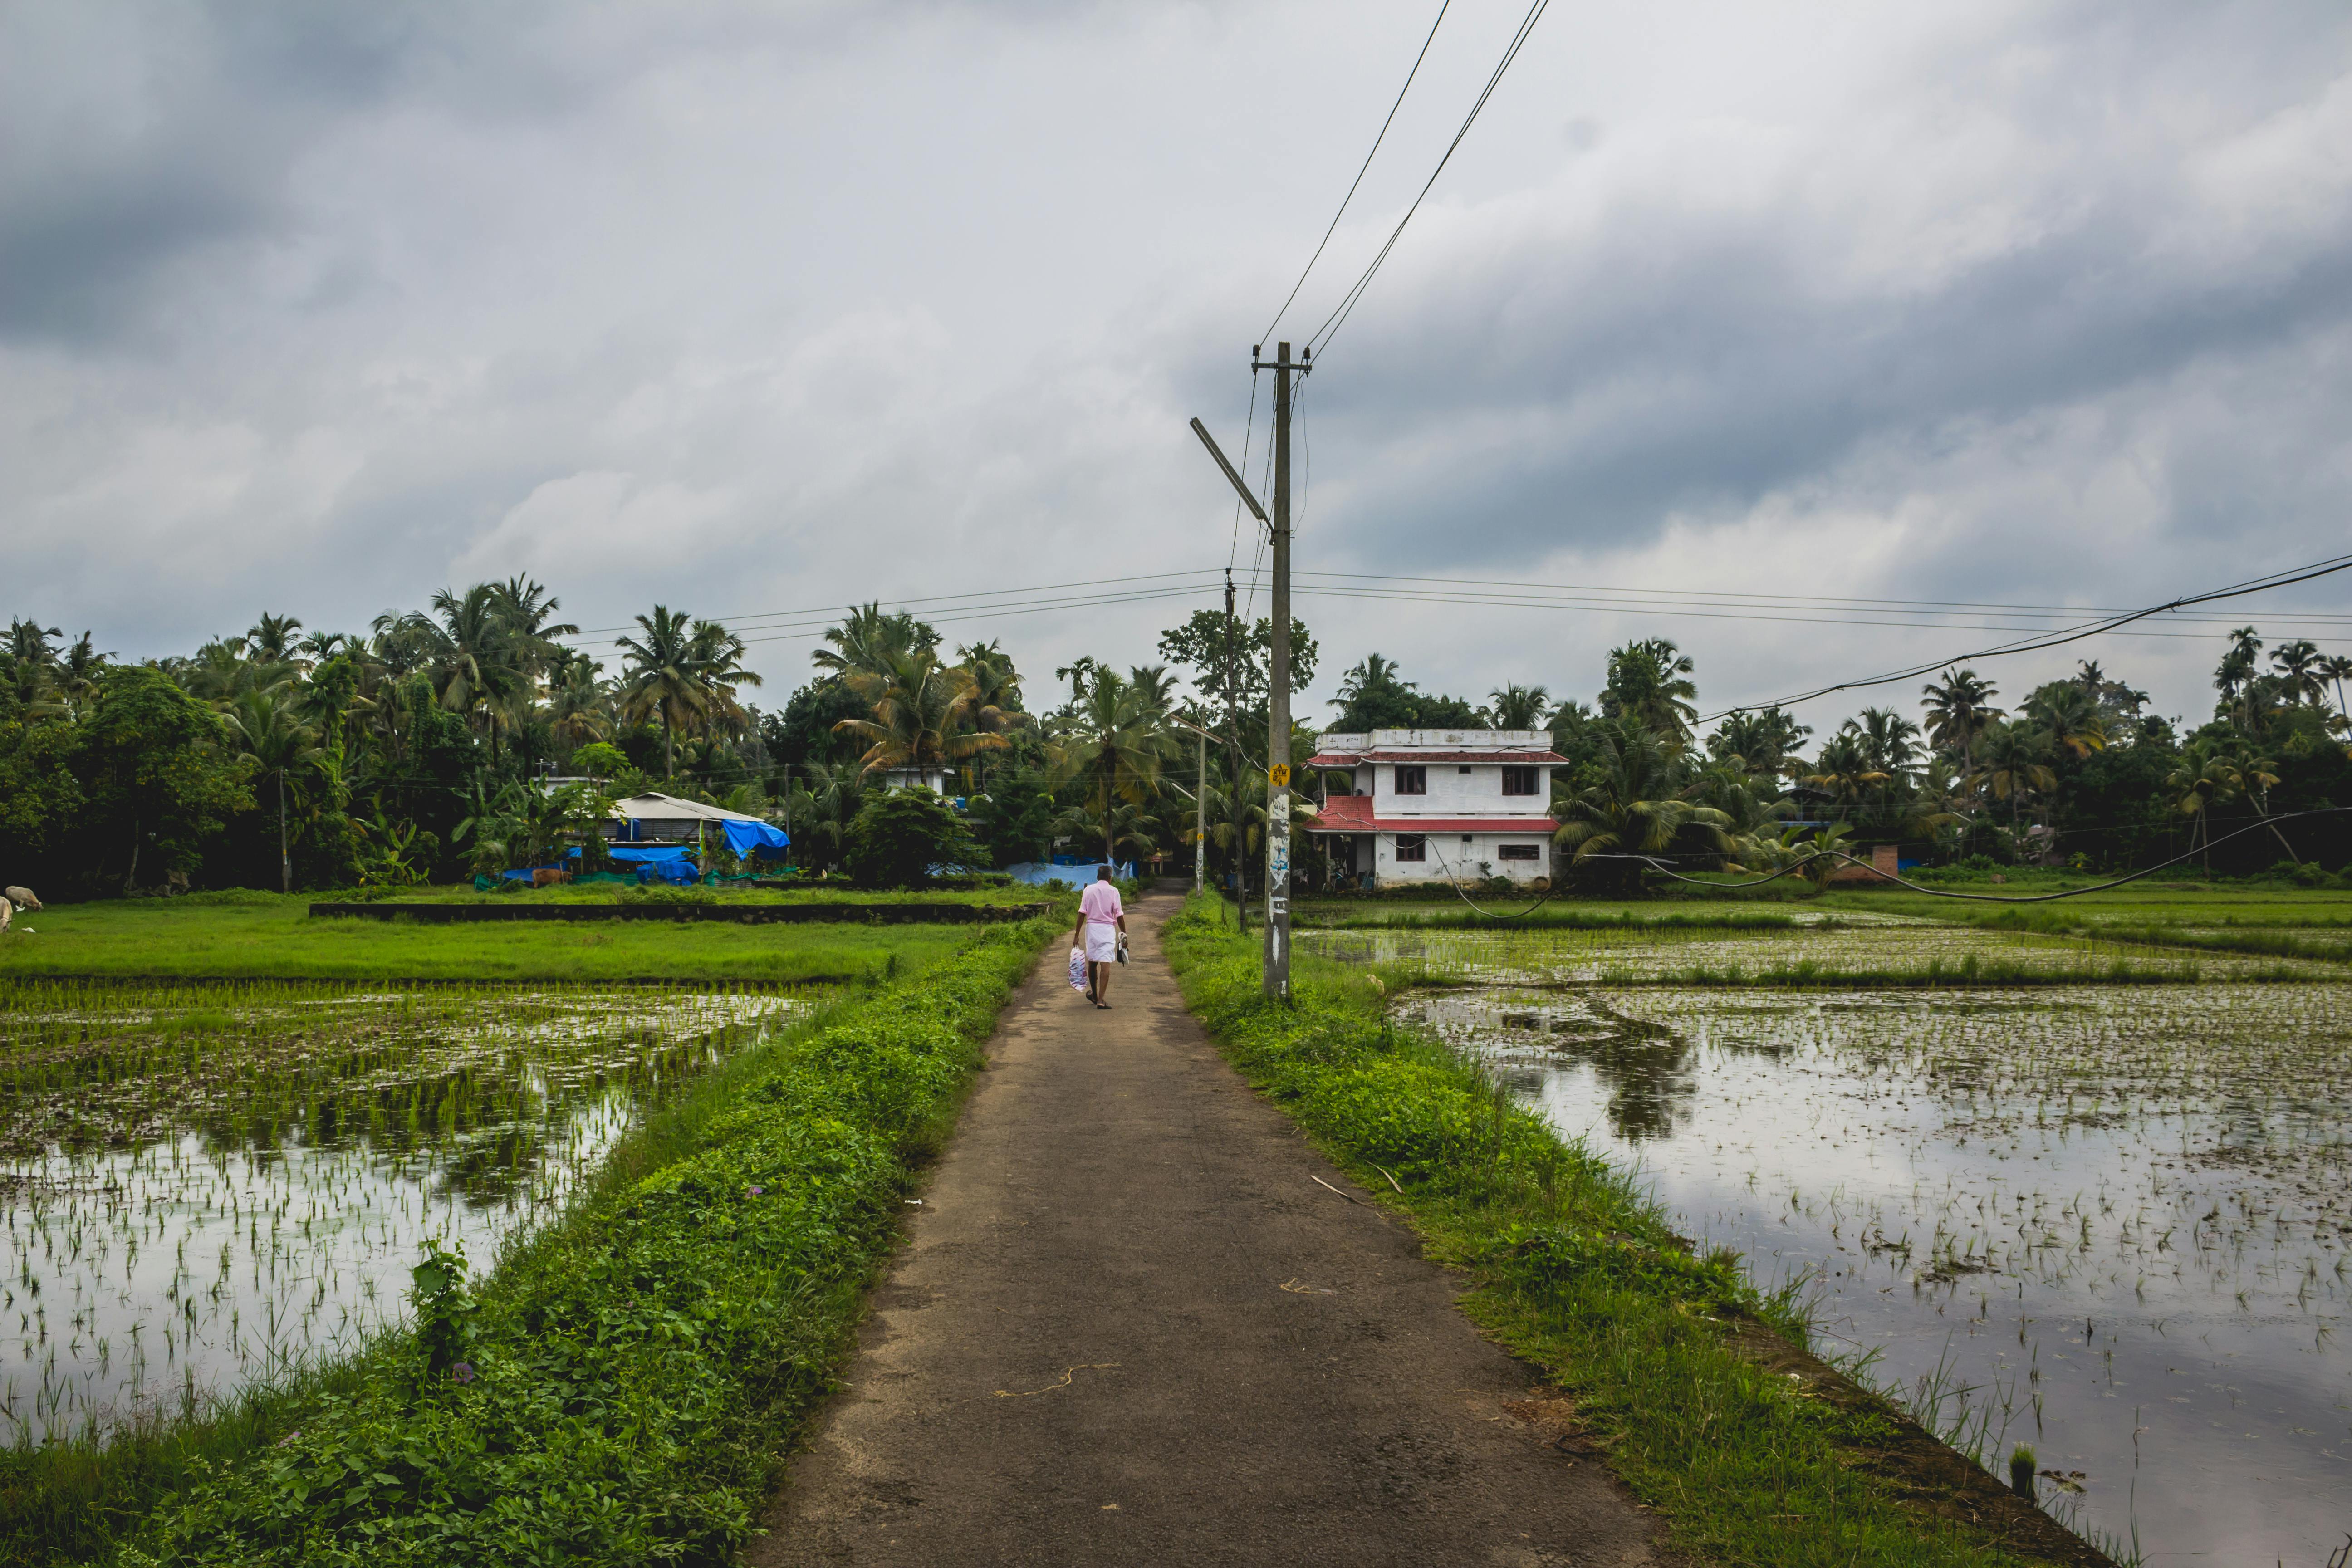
(1278, 740)
(1233, 764)
(1201, 815)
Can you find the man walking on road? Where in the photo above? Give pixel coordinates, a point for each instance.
(1102, 923)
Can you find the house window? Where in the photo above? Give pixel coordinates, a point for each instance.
(1464, 771)
(1519, 781)
(1412, 846)
(1413, 781)
(1520, 852)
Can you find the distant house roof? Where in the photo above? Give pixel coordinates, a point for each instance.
(655, 806)
(1353, 813)
(1338, 759)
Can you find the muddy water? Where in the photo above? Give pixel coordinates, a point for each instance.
(2113, 1224)
(196, 1198)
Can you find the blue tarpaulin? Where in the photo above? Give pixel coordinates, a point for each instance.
(667, 862)
(1077, 874)
(750, 838)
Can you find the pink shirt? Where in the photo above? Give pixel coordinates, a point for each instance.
(1099, 904)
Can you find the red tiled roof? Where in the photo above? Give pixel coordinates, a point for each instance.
(1353, 813)
(1351, 759)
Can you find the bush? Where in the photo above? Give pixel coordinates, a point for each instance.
(900, 834)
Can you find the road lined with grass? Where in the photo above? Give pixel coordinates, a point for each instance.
(1691, 1382)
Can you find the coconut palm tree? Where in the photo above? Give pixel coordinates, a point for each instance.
(2336, 669)
(868, 637)
(577, 705)
(477, 664)
(1111, 749)
(1636, 807)
(2012, 768)
(1846, 771)
(1650, 683)
(274, 741)
(922, 714)
(718, 654)
(2207, 775)
(2070, 716)
(1517, 707)
(662, 675)
(2302, 671)
(1763, 741)
(529, 610)
(1958, 712)
(270, 640)
(77, 674)
(820, 806)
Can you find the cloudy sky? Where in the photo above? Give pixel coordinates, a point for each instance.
(759, 309)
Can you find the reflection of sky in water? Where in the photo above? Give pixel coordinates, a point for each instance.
(2149, 1290)
(263, 1220)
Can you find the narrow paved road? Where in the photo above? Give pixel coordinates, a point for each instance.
(1132, 1328)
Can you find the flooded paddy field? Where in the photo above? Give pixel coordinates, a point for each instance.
(2113, 1223)
(204, 1185)
(1892, 949)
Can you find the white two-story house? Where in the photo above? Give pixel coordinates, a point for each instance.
(1440, 804)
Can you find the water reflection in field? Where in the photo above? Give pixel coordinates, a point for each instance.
(2114, 1223)
(202, 1187)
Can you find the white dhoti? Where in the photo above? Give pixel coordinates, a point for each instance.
(1102, 943)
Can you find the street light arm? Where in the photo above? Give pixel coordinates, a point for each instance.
(1210, 442)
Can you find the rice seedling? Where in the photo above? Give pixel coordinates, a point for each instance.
(1895, 952)
(207, 1187)
(2025, 1214)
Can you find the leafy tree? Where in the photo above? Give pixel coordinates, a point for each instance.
(155, 772)
(1230, 665)
(900, 834)
(1014, 816)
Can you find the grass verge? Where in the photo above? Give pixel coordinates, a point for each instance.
(1693, 1382)
(274, 939)
(621, 1388)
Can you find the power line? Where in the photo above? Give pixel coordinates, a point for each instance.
(2330, 632)
(2076, 634)
(1267, 336)
(1339, 316)
(932, 599)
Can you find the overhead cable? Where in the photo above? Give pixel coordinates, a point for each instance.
(1267, 336)
(1340, 314)
(2074, 634)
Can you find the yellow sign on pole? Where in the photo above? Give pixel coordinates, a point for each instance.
(1279, 775)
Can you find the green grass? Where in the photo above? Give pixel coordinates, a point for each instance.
(637, 1369)
(1558, 915)
(1576, 1271)
(265, 936)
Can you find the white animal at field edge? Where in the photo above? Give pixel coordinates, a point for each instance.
(23, 899)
